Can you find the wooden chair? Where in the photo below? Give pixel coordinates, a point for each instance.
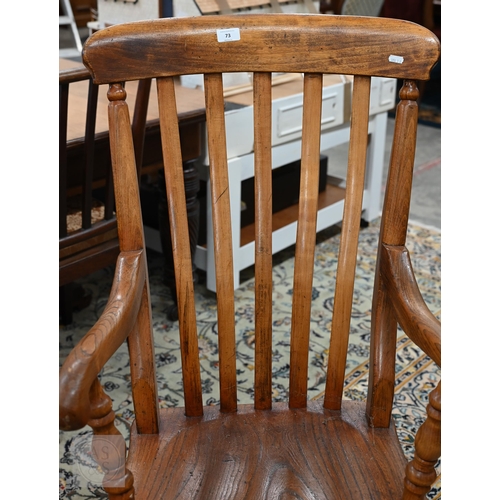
(88, 236)
(301, 449)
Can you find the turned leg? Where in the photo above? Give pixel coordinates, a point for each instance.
(191, 187)
(420, 472)
(108, 446)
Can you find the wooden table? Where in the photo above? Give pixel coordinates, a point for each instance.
(190, 110)
(191, 114)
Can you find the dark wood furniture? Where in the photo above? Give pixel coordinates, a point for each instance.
(88, 238)
(330, 449)
(84, 11)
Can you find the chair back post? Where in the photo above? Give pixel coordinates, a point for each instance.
(396, 210)
(127, 200)
(393, 228)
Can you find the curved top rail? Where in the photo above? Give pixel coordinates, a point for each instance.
(298, 43)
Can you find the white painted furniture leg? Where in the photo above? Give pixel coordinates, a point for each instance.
(234, 172)
(375, 167)
(210, 262)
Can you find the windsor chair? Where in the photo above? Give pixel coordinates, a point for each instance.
(326, 449)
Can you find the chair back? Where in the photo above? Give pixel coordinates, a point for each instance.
(262, 45)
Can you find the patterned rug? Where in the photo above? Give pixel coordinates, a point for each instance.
(417, 375)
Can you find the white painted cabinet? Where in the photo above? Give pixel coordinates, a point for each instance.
(287, 118)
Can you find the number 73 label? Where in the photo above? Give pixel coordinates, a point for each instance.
(228, 35)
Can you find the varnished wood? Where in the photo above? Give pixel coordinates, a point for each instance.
(393, 229)
(130, 231)
(182, 48)
(420, 472)
(97, 254)
(174, 179)
(396, 208)
(306, 240)
(190, 106)
(263, 241)
(300, 448)
(282, 453)
(88, 175)
(407, 301)
(86, 360)
(222, 240)
(139, 121)
(143, 371)
(344, 285)
(108, 445)
(93, 243)
(85, 167)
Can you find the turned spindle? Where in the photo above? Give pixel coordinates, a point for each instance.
(108, 446)
(420, 472)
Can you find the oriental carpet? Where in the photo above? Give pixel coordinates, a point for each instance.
(417, 375)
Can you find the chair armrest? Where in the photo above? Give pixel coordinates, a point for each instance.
(411, 311)
(89, 356)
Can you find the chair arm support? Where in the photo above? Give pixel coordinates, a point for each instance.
(89, 356)
(410, 309)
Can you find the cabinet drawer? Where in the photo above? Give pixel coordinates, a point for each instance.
(383, 94)
(287, 114)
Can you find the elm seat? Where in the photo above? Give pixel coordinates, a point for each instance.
(300, 449)
(268, 454)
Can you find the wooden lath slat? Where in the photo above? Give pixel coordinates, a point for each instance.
(263, 240)
(346, 268)
(216, 132)
(306, 239)
(174, 179)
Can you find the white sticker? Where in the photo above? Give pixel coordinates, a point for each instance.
(229, 35)
(396, 59)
